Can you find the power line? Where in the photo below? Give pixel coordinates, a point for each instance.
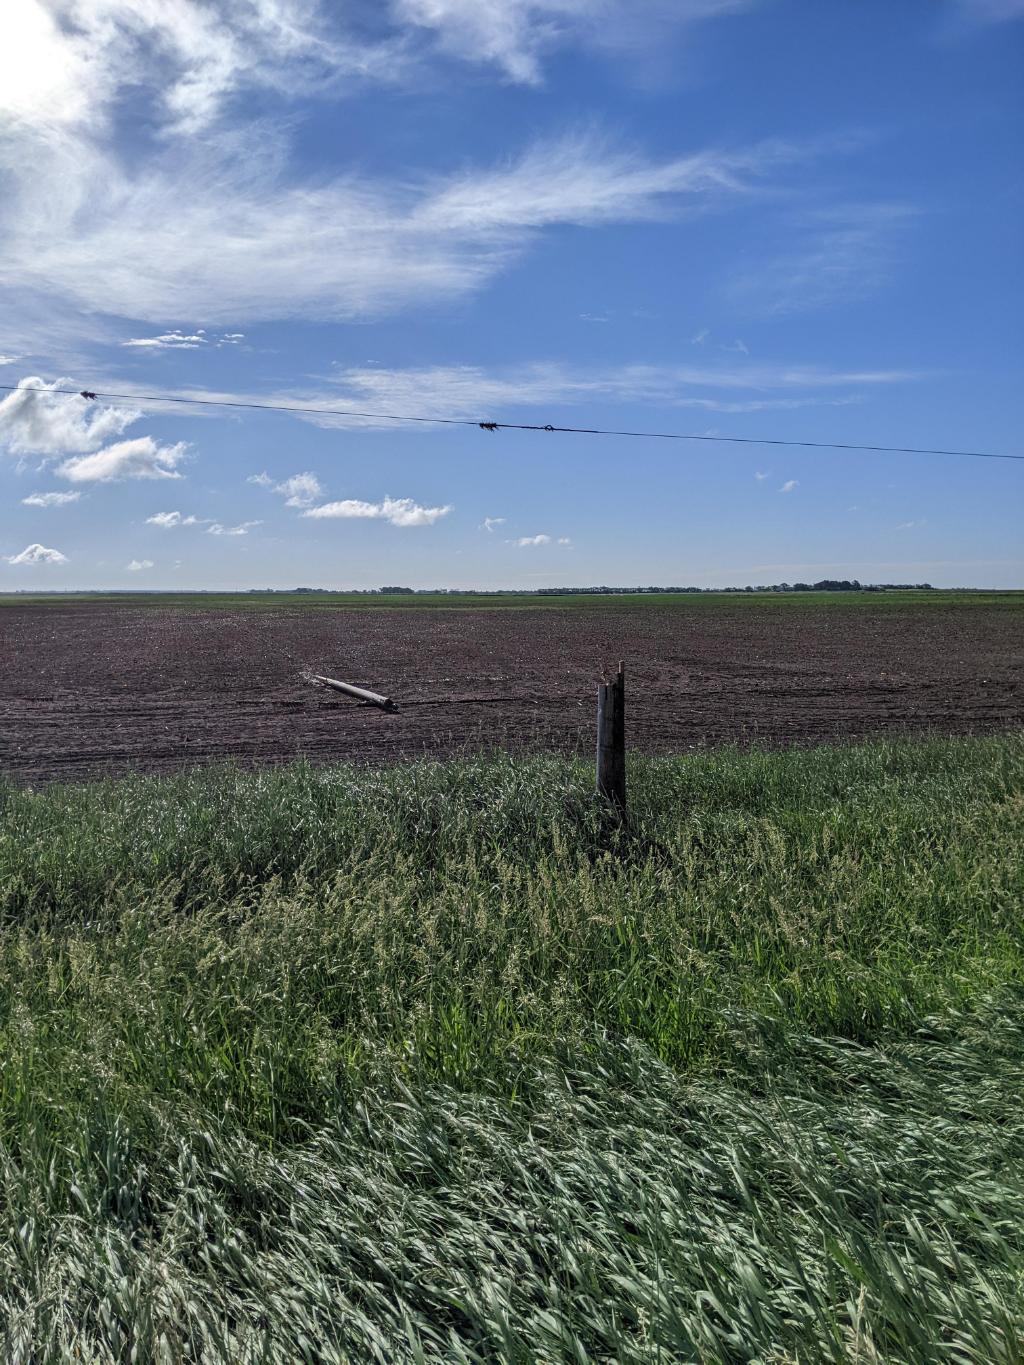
(90, 394)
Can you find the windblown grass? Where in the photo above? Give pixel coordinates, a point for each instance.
(857, 1205)
(423, 1064)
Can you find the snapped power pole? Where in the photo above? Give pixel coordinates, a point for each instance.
(611, 744)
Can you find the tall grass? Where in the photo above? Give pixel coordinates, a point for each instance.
(849, 1204)
(426, 1064)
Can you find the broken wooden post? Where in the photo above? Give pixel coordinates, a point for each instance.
(611, 743)
(350, 690)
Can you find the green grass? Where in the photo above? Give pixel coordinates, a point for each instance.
(349, 601)
(425, 1064)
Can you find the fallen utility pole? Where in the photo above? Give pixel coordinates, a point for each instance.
(350, 690)
(611, 743)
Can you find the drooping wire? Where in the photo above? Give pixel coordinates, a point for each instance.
(491, 426)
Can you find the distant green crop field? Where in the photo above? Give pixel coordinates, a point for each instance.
(349, 601)
(429, 1064)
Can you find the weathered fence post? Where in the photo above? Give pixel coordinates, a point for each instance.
(611, 743)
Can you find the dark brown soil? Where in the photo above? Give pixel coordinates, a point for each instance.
(93, 690)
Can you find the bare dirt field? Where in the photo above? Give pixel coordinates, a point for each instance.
(98, 689)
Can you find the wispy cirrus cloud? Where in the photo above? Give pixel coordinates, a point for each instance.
(517, 35)
(471, 391)
(249, 243)
(790, 486)
(839, 253)
(475, 393)
(489, 523)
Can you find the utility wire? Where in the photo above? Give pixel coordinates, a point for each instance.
(90, 394)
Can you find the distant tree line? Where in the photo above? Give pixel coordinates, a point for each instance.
(822, 585)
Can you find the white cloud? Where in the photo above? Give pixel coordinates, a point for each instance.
(790, 485)
(138, 565)
(301, 490)
(167, 520)
(564, 540)
(37, 554)
(41, 74)
(50, 499)
(397, 511)
(185, 341)
(140, 458)
(759, 476)
(9, 359)
(221, 227)
(907, 525)
(67, 62)
(217, 529)
(35, 420)
(523, 541)
(170, 341)
(350, 508)
(489, 523)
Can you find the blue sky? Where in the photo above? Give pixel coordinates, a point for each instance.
(779, 218)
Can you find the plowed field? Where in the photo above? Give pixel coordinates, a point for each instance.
(89, 690)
